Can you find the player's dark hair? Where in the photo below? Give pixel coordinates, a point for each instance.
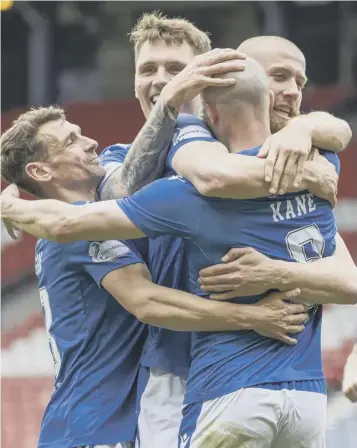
(21, 145)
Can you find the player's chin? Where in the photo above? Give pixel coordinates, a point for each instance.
(277, 122)
(96, 171)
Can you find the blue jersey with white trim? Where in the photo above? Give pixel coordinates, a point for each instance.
(95, 343)
(164, 349)
(295, 227)
(111, 158)
(188, 129)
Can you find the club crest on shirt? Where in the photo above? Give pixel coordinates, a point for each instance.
(101, 251)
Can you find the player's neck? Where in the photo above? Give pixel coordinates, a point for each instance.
(71, 193)
(191, 107)
(245, 134)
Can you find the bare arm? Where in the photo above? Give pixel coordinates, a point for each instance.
(349, 382)
(61, 222)
(246, 271)
(169, 308)
(327, 132)
(215, 172)
(287, 150)
(147, 155)
(329, 280)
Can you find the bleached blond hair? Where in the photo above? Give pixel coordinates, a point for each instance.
(155, 26)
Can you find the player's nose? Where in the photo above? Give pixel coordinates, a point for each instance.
(91, 145)
(162, 77)
(292, 90)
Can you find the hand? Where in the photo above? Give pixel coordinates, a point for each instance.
(286, 153)
(325, 186)
(245, 272)
(277, 318)
(349, 382)
(11, 191)
(197, 75)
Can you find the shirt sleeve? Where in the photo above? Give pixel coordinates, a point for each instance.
(188, 129)
(333, 158)
(169, 206)
(98, 258)
(111, 158)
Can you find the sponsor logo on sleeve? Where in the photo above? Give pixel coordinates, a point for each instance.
(191, 131)
(107, 250)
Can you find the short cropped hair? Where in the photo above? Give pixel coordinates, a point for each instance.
(20, 145)
(156, 26)
(250, 88)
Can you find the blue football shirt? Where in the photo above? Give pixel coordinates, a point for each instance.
(164, 349)
(295, 227)
(95, 343)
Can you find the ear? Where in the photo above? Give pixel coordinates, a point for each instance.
(38, 171)
(210, 114)
(135, 91)
(271, 104)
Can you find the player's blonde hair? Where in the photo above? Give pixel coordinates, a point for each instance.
(20, 145)
(155, 26)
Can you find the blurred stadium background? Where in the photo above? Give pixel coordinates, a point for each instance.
(77, 54)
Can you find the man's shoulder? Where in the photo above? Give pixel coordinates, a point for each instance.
(189, 127)
(115, 153)
(116, 147)
(184, 120)
(187, 119)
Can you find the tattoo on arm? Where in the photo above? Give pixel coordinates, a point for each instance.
(146, 158)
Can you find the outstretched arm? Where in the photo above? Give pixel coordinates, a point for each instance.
(169, 308)
(61, 222)
(246, 271)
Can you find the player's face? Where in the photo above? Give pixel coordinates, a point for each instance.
(72, 156)
(286, 74)
(156, 65)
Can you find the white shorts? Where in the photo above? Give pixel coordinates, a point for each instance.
(160, 411)
(256, 418)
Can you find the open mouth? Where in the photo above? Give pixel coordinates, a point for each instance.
(285, 112)
(154, 98)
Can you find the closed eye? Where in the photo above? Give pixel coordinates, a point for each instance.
(71, 139)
